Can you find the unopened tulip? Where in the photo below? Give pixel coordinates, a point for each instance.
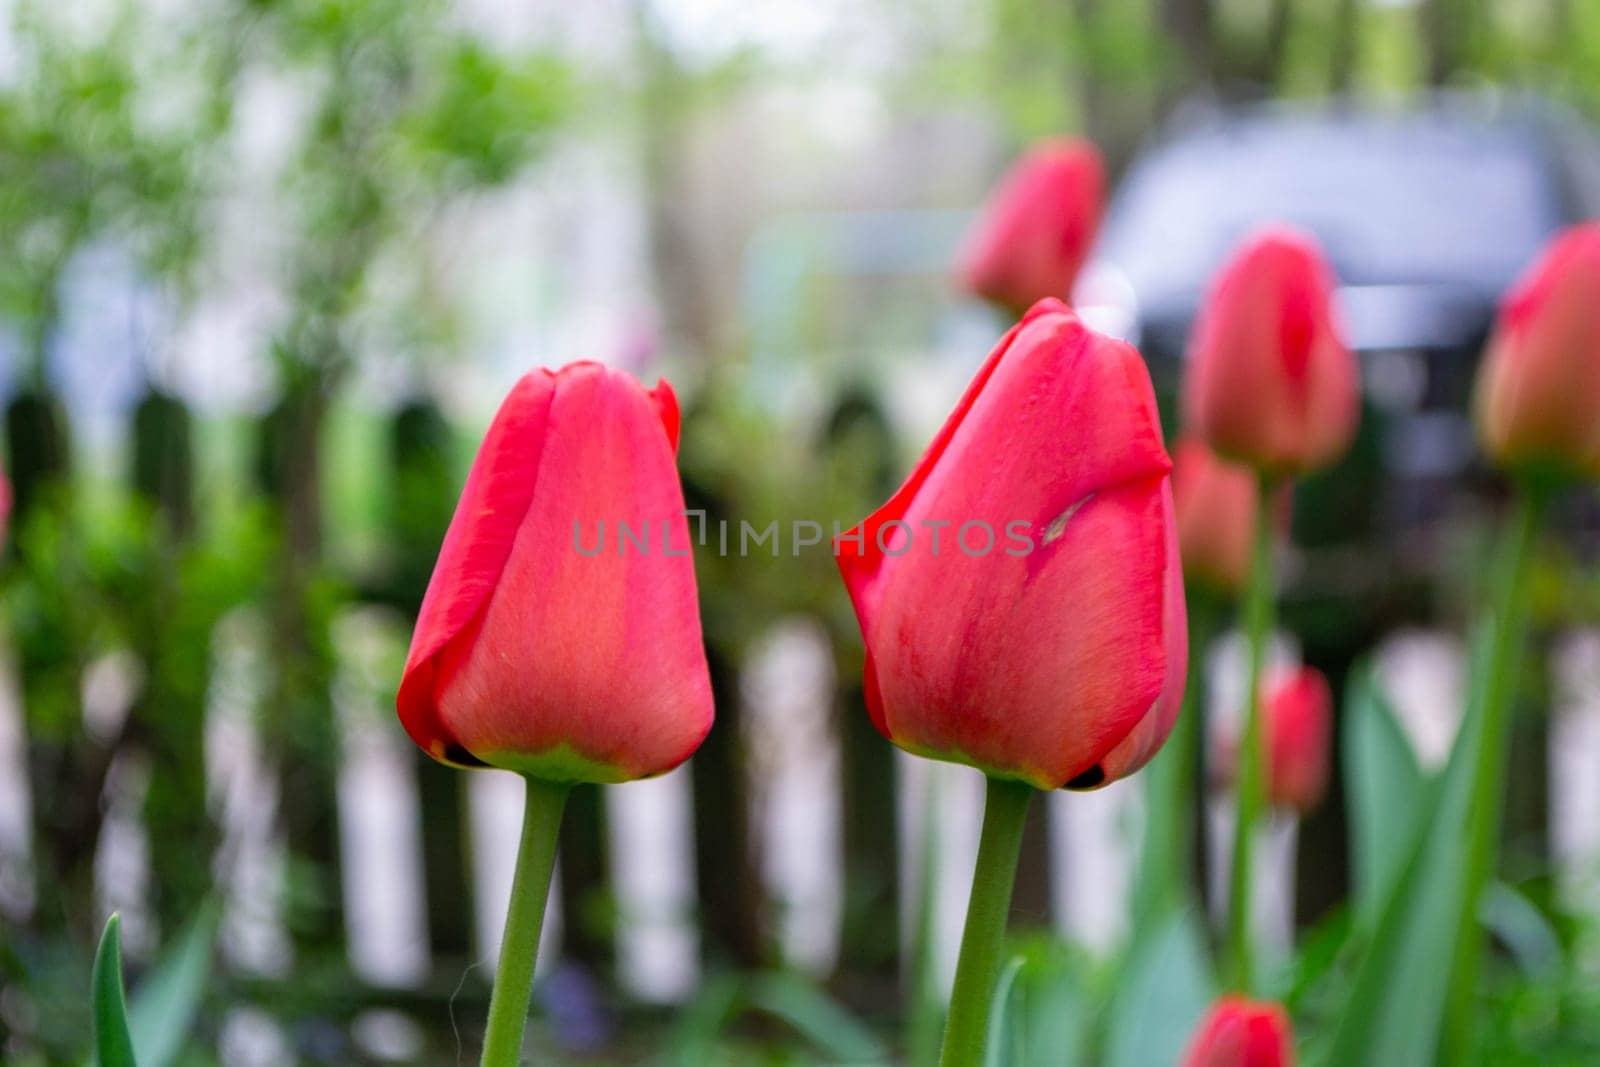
(560, 634)
(1298, 710)
(1538, 400)
(1020, 597)
(1238, 1032)
(1216, 507)
(1270, 383)
(1032, 238)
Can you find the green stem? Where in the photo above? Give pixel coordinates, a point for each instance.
(519, 947)
(1251, 792)
(1005, 809)
(1489, 772)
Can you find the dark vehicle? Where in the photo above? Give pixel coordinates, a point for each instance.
(1427, 216)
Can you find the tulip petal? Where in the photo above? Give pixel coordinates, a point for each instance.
(475, 550)
(1146, 739)
(860, 550)
(666, 402)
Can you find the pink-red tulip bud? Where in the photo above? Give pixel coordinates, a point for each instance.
(560, 634)
(1297, 716)
(1538, 398)
(1238, 1032)
(1270, 383)
(1020, 596)
(1032, 238)
(1216, 506)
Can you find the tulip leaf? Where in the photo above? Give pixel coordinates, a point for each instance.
(165, 1004)
(112, 1044)
(1002, 1043)
(1165, 989)
(788, 998)
(1397, 1000)
(1386, 787)
(837, 1034)
(1315, 957)
(1523, 929)
(1040, 1013)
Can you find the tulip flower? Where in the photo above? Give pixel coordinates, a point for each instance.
(1270, 383)
(1238, 1032)
(1055, 655)
(1538, 415)
(1034, 235)
(1298, 706)
(1021, 600)
(537, 651)
(532, 654)
(1538, 395)
(1216, 506)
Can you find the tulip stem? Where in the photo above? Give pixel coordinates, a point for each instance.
(1005, 809)
(519, 947)
(1250, 796)
(1510, 623)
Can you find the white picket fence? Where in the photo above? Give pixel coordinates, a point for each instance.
(787, 690)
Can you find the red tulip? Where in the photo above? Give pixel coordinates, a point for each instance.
(1036, 231)
(1020, 596)
(1238, 1032)
(1216, 506)
(534, 650)
(1297, 710)
(1270, 382)
(1538, 401)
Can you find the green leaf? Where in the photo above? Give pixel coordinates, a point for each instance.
(113, 1046)
(1001, 1049)
(837, 1034)
(166, 1002)
(700, 1024)
(1386, 788)
(1167, 985)
(1524, 929)
(1040, 1013)
(789, 998)
(1315, 956)
(1397, 1000)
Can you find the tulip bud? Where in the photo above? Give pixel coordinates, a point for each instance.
(1538, 395)
(1216, 507)
(560, 634)
(1297, 710)
(1020, 596)
(1238, 1032)
(1037, 229)
(1270, 383)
